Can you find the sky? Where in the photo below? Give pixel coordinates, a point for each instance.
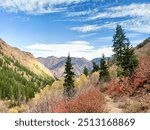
(85, 28)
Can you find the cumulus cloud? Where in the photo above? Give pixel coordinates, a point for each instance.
(76, 48)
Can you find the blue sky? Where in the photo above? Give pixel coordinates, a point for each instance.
(82, 27)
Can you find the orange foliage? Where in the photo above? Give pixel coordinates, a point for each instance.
(139, 78)
(129, 85)
(91, 101)
(114, 87)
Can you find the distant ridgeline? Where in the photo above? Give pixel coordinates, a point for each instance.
(18, 83)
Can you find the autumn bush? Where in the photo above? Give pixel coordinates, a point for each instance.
(139, 104)
(94, 78)
(113, 87)
(137, 82)
(90, 101)
(140, 79)
(81, 82)
(45, 101)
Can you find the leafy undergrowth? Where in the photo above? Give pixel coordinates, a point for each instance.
(137, 83)
(133, 93)
(91, 101)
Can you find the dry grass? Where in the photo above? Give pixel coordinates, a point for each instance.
(3, 107)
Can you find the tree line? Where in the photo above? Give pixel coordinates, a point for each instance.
(17, 83)
(123, 57)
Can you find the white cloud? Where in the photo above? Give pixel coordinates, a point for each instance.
(132, 10)
(133, 35)
(81, 13)
(35, 6)
(137, 14)
(86, 28)
(104, 39)
(91, 28)
(87, 35)
(138, 25)
(79, 43)
(76, 48)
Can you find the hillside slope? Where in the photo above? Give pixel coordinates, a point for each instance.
(21, 75)
(143, 49)
(25, 58)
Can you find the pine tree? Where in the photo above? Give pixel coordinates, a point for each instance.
(69, 88)
(104, 73)
(85, 71)
(95, 67)
(119, 42)
(124, 55)
(129, 62)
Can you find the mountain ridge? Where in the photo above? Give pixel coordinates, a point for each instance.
(25, 58)
(57, 65)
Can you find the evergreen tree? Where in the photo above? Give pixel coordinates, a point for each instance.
(104, 73)
(85, 71)
(69, 88)
(124, 54)
(95, 67)
(119, 43)
(129, 62)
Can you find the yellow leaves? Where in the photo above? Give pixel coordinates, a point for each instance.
(78, 82)
(13, 110)
(81, 81)
(58, 84)
(19, 109)
(94, 78)
(113, 71)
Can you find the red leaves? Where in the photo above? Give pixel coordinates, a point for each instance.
(137, 80)
(129, 85)
(114, 87)
(91, 101)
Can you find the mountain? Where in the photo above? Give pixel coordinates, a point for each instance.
(21, 75)
(25, 58)
(96, 60)
(57, 65)
(143, 49)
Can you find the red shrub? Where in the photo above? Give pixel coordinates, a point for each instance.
(114, 87)
(91, 101)
(61, 108)
(138, 79)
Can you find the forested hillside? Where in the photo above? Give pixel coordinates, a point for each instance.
(17, 82)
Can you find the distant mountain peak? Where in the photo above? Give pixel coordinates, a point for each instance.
(57, 65)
